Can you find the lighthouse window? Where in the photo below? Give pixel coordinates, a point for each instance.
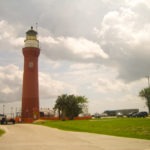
(31, 37)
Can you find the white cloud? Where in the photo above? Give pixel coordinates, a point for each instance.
(85, 48)
(125, 37)
(82, 66)
(48, 40)
(69, 48)
(109, 85)
(8, 35)
(51, 88)
(10, 83)
(6, 30)
(135, 3)
(118, 26)
(7, 90)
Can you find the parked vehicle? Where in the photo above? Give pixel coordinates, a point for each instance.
(119, 114)
(142, 114)
(2, 116)
(96, 115)
(5, 120)
(103, 115)
(132, 114)
(139, 114)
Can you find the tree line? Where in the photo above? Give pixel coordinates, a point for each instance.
(70, 106)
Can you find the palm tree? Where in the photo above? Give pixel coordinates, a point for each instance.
(60, 105)
(145, 93)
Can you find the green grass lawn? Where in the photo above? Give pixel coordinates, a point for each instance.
(1, 132)
(124, 127)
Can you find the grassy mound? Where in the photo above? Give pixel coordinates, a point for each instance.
(124, 127)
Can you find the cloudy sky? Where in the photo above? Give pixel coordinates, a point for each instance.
(96, 48)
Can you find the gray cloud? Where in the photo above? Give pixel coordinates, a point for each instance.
(121, 28)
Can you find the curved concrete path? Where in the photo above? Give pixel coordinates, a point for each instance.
(34, 137)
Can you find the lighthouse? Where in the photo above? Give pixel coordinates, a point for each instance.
(30, 89)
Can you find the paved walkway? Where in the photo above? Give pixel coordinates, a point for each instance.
(34, 137)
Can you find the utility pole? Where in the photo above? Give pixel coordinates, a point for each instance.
(12, 114)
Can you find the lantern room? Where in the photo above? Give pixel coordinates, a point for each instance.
(31, 38)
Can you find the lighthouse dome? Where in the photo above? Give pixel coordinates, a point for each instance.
(31, 32)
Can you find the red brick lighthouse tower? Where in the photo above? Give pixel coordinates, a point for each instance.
(30, 91)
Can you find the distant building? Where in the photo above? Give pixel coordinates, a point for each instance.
(46, 112)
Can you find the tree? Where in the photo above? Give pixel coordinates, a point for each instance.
(69, 105)
(60, 105)
(145, 93)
